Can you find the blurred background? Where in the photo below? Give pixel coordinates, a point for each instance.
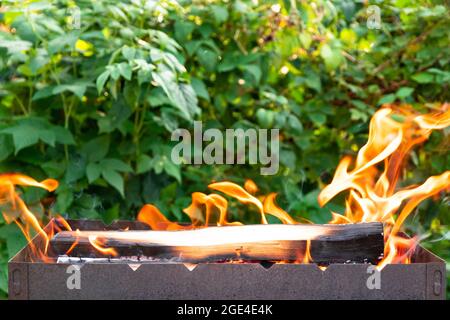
(90, 92)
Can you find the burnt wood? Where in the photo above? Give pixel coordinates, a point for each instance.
(332, 243)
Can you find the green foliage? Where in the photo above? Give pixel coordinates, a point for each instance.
(94, 107)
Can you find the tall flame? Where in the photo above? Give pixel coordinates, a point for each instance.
(373, 193)
(15, 210)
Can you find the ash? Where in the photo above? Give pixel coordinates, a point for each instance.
(125, 259)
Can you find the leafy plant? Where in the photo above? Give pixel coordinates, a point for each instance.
(94, 106)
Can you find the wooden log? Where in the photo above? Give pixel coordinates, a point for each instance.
(332, 243)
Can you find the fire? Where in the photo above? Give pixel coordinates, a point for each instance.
(15, 210)
(98, 244)
(371, 180)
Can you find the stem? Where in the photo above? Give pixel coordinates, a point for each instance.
(66, 109)
(30, 96)
(21, 105)
(114, 56)
(139, 118)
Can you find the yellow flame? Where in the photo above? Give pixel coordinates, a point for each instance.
(373, 193)
(18, 211)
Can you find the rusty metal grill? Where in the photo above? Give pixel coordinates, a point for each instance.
(141, 278)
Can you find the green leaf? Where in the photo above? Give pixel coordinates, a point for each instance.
(114, 179)
(220, 13)
(313, 81)
(111, 214)
(76, 169)
(27, 132)
(208, 58)
(158, 164)
(144, 164)
(228, 63)
(144, 75)
(63, 135)
(43, 93)
(54, 168)
(6, 146)
(115, 164)
(116, 116)
(331, 56)
(360, 105)
(200, 88)
(441, 76)
(265, 118)
(61, 42)
(64, 200)
(190, 98)
(404, 92)
(128, 53)
(305, 40)
(183, 29)
(78, 88)
(14, 238)
(3, 279)
(48, 136)
(389, 98)
(254, 70)
(356, 114)
(37, 63)
(167, 82)
(318, 118)
(172, 170)
(182, 96)
(144, 70)
(93, 171)
(114, 71)
(15, 46)
(96, 149)
(423, 77)
(125, 70)
(101, 80)
(23, 137)
(295, 124)
(288, 158)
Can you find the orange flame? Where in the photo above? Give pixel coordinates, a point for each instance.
(99, 245)
(251, 186)
(75, 243)
(271, 208)
(235, 191)
(151, 216)
(373, 194)
(307, 256)
(15, 210)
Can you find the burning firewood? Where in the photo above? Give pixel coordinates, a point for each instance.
(322, 244)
